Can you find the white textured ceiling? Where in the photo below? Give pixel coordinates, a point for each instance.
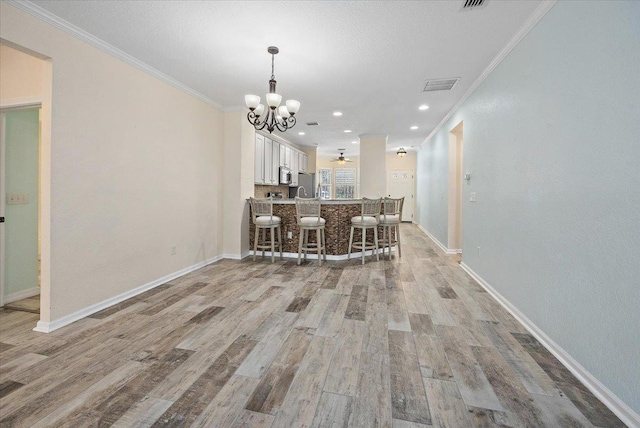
(368, 60)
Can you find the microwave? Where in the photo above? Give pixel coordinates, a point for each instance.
(285, 175)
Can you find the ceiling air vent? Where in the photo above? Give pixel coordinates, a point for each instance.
(468, 4)
(312, 124)
(440, 84)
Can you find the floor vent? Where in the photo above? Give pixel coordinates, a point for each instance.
(312, 124)
(440, 84)
(468, 4)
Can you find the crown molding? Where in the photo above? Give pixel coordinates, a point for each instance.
(54, 20)
(535, 17)
(232, 109)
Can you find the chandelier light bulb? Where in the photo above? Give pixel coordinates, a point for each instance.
(282, 111)
(273, 100)
(293, 106)
(252, 101)
(259, 110)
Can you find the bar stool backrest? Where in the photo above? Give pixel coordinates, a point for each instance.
(307, 207)
(391, 206)
(371, 207)
(261, 207)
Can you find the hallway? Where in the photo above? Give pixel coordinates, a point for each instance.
(409, 342)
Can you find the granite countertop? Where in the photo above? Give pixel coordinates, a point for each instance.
(322, 202)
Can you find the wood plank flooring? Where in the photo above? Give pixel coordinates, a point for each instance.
(409, 342)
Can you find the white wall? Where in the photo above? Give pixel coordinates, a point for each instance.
(396, 162)
(239, 152)
(136, 167)
(551, 141)
(373, 160)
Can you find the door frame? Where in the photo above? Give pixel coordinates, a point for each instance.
(46, 117)
(454, 217)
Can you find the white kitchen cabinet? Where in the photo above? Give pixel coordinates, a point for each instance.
(259, 160)
(275, 163)
(294, 168)
(268, 164)
(302, 162)
(305, 161)
(287, 156)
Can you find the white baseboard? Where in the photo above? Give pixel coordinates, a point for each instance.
(19, 295)
(236, 256)
(617, 406)
(314, 256)
(48, 327)
(438, 243)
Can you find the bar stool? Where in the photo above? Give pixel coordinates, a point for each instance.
(263, 218)
(391, 219)
(308, 218)
(369, 218)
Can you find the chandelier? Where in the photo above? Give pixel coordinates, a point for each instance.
(401, 152)
(277, 116)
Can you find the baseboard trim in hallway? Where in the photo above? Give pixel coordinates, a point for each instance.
(438, 243)
(617, 406)
(19, 295)
(48, 327)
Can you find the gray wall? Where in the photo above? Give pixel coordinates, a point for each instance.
(552, 140)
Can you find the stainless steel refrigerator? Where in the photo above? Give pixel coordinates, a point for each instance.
(308, 182)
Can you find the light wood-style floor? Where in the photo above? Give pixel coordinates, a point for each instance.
(410, 342)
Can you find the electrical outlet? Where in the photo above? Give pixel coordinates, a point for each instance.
(472, 196)
(289, 235)
(173, 250)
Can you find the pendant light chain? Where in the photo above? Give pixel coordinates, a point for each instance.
(273, 77)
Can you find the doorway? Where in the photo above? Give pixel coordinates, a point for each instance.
(454, 243)
(19, 208)
(400, 183)
(27, 86)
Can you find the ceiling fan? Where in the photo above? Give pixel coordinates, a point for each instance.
(341, 159)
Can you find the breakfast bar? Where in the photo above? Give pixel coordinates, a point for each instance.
(336, 212)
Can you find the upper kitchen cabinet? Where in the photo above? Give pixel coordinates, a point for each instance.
(270, 155)
(302, 162)
(285, 158)
(294, 168)
(275, 163)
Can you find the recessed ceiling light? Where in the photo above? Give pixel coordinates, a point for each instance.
(354, 142)
(413, 128)
(423, 107)
(300, 133)
(337, 113)
(347, 130)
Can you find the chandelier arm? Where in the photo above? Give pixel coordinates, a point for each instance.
(281, 126)
(255, 121)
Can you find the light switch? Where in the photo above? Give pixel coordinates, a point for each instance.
(472, 196)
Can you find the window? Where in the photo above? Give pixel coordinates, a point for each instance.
(345, 183)
(325, 183)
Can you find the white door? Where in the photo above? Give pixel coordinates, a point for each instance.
(400, 184)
